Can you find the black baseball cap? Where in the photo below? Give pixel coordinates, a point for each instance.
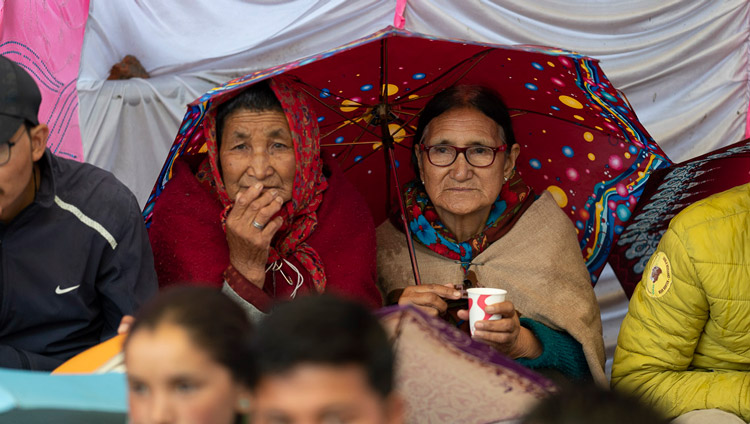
(19, 98)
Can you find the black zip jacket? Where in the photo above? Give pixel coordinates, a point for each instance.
(71, 265)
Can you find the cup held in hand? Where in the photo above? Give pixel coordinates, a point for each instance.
(479, 299)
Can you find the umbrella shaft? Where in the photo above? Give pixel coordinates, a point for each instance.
(402, 210)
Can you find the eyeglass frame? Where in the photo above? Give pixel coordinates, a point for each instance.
(459, 150)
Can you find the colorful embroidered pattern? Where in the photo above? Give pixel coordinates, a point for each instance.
(425, 226)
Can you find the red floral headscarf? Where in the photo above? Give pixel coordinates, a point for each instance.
(299, 214)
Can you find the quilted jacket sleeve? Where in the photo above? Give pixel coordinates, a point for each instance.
(658, 338)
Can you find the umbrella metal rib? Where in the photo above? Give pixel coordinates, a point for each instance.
(383, 111)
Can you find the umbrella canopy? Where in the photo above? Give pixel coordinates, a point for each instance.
(446, 377)
(667, 192)
(579, 137)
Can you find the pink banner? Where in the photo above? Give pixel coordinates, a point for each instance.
(45, 38)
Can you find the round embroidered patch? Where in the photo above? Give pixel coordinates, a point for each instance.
(659, 278)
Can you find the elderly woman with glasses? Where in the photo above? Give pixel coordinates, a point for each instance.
(476, 223)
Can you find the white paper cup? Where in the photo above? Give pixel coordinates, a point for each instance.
(480, 298)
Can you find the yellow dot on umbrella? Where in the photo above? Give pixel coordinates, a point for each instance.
(544, 131)
(349, 105)
(588, 136)
(413, 96)
(549, 160)
(627, 155)
(559, 195)
(571, 102)
(589, 251)
(578, 117)
(391, 90)
(508, 58)
(599, 128)
(591, 157)
(397, 132)
(552, 65)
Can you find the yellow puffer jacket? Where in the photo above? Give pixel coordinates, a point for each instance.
(685, 342)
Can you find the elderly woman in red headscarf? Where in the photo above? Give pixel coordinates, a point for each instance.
(260, 215)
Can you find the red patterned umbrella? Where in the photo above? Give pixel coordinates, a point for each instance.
(579, 137)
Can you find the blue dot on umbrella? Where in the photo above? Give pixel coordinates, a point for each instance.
(325, 93)
(366, 87)
(609, 97)
(418, 76)
(534, 163)
(623, 212)
(579, 225)
(622, 109)
(397, 163)
(530, 86)
(537, 66)
(618, 229)
(321, 118)
(632, 149)
(567, 151)
(357, 158)
(555, 108)
(339, 139)
(186, 125)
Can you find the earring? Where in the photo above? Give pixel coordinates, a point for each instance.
(506, 179)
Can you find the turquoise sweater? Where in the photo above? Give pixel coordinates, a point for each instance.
(561, 352)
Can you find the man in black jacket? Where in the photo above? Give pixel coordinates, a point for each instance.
(74, 253)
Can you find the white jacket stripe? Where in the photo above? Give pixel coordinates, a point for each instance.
(87, 221)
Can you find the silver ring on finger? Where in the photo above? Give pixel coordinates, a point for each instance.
(258, 225)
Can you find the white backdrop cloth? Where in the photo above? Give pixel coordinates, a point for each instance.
(683, 64)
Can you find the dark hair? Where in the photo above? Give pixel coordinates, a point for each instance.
(214, 322)
(476, 97)
(585, 404)
(258, 97)
(323, 330)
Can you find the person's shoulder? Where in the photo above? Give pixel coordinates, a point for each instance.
(545, 210)
(89, 187)
(387, 233)
(730, 207)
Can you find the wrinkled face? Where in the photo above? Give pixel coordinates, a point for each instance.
(16, 176)
(460, 190)
(322, 394)
(257, 147)
(171, 380)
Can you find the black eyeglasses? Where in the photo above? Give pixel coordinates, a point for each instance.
(478, 156)
(5, 149)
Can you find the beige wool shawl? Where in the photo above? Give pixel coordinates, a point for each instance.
(538, 262)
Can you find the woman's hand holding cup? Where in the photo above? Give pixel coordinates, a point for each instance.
(494, 320)
(429, 297)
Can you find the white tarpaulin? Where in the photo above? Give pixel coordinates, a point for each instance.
(682, 64)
